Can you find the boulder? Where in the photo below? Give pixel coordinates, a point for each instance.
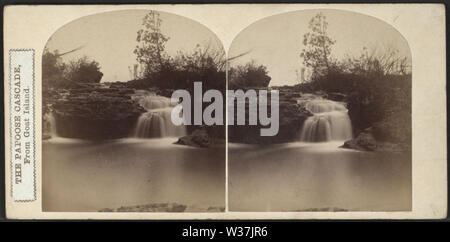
(364, 141)
(198, 138)
(367, 141)
(392, 147)
(395, 128)
(386, 109)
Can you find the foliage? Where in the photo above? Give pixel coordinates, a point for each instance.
(204, 64)
(57, 74)
(83, 70)
(52, 65)
(201, 59)
(374, 62)
(248, 75)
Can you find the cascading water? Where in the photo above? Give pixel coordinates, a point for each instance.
(156, 122)
(51, 122)
(330, 121)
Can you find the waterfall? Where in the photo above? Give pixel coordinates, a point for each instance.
(156, 122)
(51, 122)
(330, 121)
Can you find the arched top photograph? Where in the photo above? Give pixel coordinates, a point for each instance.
(107, 85)
(344, 97)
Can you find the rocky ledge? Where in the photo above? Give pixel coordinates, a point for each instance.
(291, 118)
(95, 113)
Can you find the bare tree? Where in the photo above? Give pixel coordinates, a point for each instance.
(201, 59)
(376, 61)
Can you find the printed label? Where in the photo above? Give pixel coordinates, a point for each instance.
(21, 79)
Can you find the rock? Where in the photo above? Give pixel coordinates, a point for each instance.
(165, 207)
(165, 92)
(117, 84)
(395, 128)
(385, 108)
(95, 113)
(364, 141)
(198, 138)
(321, 94)
(154, 207)
(367, 141)
(392, 147)
(339, 97)
(291, 118)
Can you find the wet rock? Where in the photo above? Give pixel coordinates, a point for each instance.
(339, 97)
(198, 138)
(364, 141)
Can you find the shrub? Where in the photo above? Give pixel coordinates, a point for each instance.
(249, 75)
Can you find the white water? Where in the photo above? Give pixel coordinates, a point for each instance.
(330, 121)
(52, 125)
(156, 122)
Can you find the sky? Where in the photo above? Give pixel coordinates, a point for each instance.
(110, 38)
(276, 41)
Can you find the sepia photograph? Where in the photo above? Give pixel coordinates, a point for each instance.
(108, 140)
(225, 112)
(344, 136)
